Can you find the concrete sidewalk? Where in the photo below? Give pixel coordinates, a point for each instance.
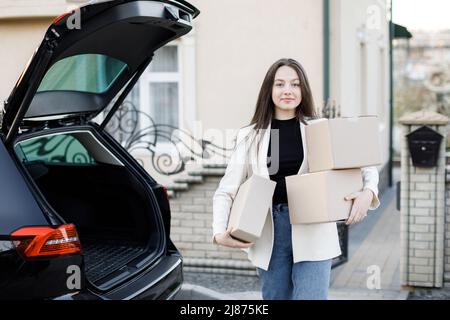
(374, 247)
(195, 292)
(379, 253)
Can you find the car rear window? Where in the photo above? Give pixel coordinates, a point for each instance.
(55, 149)
(94, 73)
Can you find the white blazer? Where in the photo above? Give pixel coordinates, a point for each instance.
(310, 242)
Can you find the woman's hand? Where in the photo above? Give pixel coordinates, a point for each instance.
(225, 239)
(361, 204)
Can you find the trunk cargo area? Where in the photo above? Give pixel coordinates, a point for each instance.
(111, 210)
(102, 257)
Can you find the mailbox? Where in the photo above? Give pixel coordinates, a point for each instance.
(424, 144)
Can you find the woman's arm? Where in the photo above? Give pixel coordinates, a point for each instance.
(370, 181)
(223, 198)
(364, 200)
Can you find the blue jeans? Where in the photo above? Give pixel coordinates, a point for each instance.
(285, 280)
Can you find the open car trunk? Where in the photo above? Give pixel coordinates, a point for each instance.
(109, 206)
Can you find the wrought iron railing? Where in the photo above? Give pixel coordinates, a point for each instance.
(137, 131)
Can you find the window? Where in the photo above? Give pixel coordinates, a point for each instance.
(55, 149)
(93, 73)
(159, 90)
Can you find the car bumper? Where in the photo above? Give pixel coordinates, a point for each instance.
(161, 282)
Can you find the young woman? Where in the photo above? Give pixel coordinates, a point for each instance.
(293, 261)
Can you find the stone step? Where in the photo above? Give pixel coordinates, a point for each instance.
(188, 179)
(182, 182)
(178, 186)
(171, 194)
(219, 264)
(207, 172)
(214, 165)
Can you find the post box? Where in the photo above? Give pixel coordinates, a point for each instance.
(424, 144)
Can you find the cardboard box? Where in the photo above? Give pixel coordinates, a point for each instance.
(319, 197)
(343, 143)
(250, 207)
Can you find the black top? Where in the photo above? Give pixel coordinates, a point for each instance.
(290, 155)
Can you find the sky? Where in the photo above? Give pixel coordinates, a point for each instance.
(430, 15)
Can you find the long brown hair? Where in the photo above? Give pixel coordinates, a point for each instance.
(265, 108)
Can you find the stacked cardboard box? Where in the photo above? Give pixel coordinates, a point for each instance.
(337, 149)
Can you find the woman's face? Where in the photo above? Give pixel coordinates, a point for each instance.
(286, 92)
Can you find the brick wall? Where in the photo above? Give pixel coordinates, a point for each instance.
(423, 225)
(191, 231)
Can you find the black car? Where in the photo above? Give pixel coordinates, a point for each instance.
(79, 217)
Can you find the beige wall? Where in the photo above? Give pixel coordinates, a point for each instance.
(14, 9)
(360, 40)
(237, 41)
(18, 40)
(22, 26)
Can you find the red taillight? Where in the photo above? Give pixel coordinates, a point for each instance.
(65, 15)
(62, 17)
(36, 242)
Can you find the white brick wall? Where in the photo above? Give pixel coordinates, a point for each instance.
(191, 228)
(447, 232)
(425, 238)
